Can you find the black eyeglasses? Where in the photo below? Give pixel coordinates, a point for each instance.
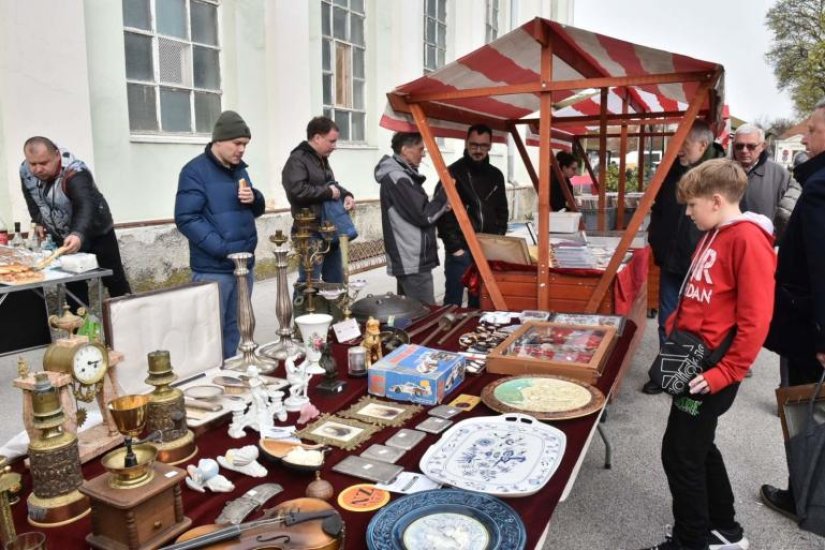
(479, 146)
(742, 146)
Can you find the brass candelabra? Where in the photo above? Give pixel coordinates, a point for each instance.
(311, 248)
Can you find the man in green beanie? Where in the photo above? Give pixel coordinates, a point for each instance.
(215, 208)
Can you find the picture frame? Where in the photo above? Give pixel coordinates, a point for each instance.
(382, 413)
(344, 433)
(578, 352)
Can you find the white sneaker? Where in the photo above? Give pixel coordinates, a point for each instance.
(718, 540)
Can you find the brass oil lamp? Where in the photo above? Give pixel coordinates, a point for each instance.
(54, 462)
(166, 412)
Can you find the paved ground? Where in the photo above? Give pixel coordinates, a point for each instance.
(629, 505)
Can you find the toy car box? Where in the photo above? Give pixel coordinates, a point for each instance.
(416, 373)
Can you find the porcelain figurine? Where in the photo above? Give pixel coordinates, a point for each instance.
(205, 476)
(308, 412)
(372, 342)
(298, 381)
(265, 405)
(243, 460)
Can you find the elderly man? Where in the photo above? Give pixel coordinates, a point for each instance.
(481, 188)
(215, 208)
(767, 180)
(64, 202)
(672, 235)
(408, 217)
(308, 181)
(798, 326)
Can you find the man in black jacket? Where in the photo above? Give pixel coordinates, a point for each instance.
(481, 188)
(798, 325)
(672, 235)
(64, 202)
(308, 181)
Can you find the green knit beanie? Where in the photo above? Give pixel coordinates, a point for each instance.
(229, 126)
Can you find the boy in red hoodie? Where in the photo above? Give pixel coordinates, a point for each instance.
(730, 284)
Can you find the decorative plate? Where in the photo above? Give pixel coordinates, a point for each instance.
(446, 518)
(543, 396)
(512, 455)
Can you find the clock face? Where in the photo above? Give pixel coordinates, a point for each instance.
(89, 364)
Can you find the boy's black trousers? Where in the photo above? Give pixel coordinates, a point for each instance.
(699, 484)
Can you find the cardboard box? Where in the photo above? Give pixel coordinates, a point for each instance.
(416, 373)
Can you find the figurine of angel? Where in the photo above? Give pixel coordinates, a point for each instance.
(265, 405)
(298, 380)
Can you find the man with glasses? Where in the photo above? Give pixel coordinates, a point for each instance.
(767, 180)
(481, 188)
(308, 181)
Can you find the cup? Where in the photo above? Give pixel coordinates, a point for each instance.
(357, 361)
(33, 540)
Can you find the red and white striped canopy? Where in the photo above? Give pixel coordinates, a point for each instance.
(578, 54)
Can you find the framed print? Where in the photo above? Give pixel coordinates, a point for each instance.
(382, 413)
(343, 433)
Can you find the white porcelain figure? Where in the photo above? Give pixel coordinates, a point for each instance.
(205, 476)
(298, 381)
(265, 405)
(243, 460)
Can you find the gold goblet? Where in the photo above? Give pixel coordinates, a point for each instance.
(129, 414)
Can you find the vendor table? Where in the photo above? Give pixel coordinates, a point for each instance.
(20, 321)
(535, 510)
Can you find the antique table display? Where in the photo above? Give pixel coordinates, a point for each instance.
(543, 396)
(512, 455)
(54, 461)
(381, 413)
(166, 411)
(550, 348)
(446, 518)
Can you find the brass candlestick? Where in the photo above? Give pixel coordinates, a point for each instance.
(9, 483)
(246, 322)
(166, 412)
(285, 346)
(310, 248)
(54, 459)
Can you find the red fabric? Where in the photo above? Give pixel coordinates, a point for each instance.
(535, 510)
(732, 284)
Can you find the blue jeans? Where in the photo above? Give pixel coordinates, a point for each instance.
(454, 268)
(669, 284)
(331, 270)
(228, 288)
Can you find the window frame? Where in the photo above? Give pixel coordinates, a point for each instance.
(161, 135)
(492, 20)
(437, 23)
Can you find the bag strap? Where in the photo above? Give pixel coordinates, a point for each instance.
(702, 248)
(723, 348)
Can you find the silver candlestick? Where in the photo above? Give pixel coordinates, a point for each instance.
(285, 346)
(246, 322)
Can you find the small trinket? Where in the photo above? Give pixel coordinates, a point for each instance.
(243, 460)
(320, 488)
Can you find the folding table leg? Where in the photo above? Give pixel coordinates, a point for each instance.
(608, 448)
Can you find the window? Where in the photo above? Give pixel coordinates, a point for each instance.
(173, 73)
(343, 66)
(491, 25)
(435, 34)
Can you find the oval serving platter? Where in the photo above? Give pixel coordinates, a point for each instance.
(543, 396)
(512, 455)
(428, 519)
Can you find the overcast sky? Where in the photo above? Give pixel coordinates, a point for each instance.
(730, 32)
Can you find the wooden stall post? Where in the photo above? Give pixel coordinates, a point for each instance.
(622, 168)
(641, 162)
(543, 228)
(525, 157)
(602, 158)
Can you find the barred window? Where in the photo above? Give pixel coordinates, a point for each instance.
(491, 24)
(435, 34)
(343, 50)
(173, 73)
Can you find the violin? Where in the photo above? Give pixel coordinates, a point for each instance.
(298, 524)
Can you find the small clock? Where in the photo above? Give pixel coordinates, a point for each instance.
(89, 364)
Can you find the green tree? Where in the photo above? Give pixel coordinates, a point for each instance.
(797, 54)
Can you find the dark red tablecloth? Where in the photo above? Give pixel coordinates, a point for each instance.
(535, 510)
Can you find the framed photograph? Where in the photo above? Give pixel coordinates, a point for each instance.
(382, 413)
(343, 433)
(579, 352)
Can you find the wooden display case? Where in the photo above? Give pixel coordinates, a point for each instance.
(551, 348)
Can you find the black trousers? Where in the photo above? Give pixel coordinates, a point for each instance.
(696, 474)
(106, 249)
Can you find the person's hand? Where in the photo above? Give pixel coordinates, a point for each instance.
(349, 202)
(245, 194)
(699, 385)
(71, 244)
(41, 231)
(459, 252)
(821, 358)
(336, 193)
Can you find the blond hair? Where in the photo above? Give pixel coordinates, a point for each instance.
(721, 176)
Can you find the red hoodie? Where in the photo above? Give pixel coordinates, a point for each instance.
(731, 283)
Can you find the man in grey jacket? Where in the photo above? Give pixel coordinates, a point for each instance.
(408, 217)
(767, 180)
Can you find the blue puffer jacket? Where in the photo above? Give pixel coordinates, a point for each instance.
(209, 214)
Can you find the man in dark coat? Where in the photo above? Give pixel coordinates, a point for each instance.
(308, 181)
(481, 188)
(767, 180)
(64, 202)
(798, 326)
(215, 208)
(672, 235)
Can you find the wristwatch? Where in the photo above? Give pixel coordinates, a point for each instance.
(235, 511)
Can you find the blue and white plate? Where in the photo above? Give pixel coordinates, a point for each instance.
(446, 519)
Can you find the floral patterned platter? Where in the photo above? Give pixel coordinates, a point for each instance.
(512, 455)
(446, 519)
